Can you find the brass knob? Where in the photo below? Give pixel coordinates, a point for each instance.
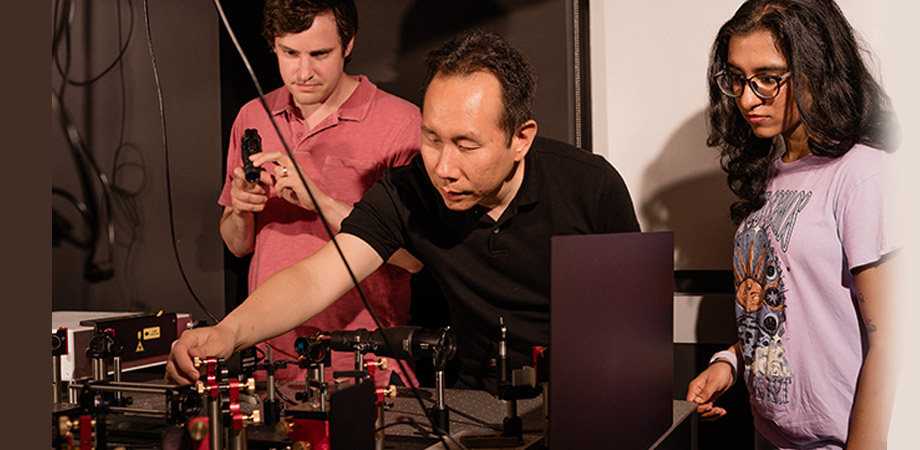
(382, 364)
(256, 416)
(390, 391)
(64, 425)
(197, 361)
(199, 386)
(282, 428)
(198, 429)
(251, 385)
(302, 445)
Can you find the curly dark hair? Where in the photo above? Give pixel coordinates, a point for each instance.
(838, 100)
(478, 50)
(280, 17)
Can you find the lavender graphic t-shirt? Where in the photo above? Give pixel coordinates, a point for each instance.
(796, 308)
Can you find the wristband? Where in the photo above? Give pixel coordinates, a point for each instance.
(728, 357)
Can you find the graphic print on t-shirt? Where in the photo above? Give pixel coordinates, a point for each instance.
(760, 306)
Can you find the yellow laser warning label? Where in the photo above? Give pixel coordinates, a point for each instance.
(151, 333)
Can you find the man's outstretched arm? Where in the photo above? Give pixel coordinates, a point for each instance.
(286, 300)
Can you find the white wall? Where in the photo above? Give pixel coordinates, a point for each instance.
(649, 97)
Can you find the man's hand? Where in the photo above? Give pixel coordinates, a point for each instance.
(237, 223)
(287, 183)
(210, 342)
(246, 196)
(707, 387)
(288, 186)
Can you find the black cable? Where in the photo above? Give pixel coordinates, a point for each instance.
(81, 208)
(121, 53)
(322, 217)
(469, 417)
(97, 219)
(83, 158)
(282, 396)
(125, 198)
(172, 227)
(412, 423)
(62, 32)
(58, 29)
(259, 350)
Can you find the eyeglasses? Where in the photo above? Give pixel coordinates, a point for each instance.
(763, 86)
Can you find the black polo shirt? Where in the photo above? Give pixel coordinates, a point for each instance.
(489, 268)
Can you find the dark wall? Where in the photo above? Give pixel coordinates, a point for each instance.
(394, 36)
(117, 119)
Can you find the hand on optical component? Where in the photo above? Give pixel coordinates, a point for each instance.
(707, 387)
(210, 342)
(246, 196)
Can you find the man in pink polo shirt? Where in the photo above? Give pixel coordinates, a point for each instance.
(344, 133)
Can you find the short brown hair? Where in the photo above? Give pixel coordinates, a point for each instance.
(281, 17)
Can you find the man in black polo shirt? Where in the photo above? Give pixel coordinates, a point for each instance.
(478, 207)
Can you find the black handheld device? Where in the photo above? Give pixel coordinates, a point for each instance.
(251, 144)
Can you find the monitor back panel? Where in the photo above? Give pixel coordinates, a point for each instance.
(611, 340)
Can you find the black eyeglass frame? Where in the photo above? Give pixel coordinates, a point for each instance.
(749, 82)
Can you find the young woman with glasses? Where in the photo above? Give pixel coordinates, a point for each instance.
(803, 128)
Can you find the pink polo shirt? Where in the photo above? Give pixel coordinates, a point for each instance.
(344, 154)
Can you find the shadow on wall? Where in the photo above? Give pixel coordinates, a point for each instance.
(687, 194)
(418, 32)
(391, 52)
